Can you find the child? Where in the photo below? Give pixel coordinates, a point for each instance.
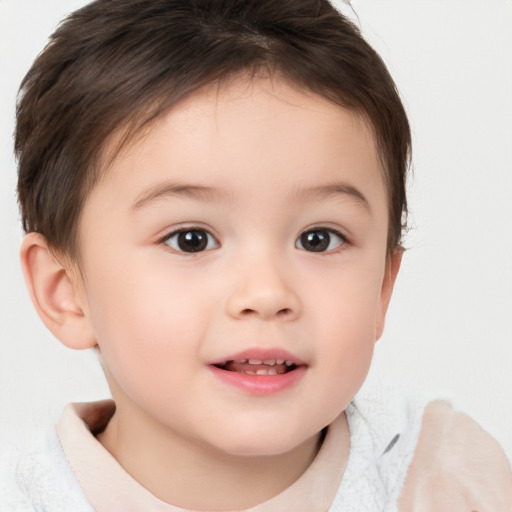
(214, 195)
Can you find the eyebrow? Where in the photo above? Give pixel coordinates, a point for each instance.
(332, 189)
(168, 189)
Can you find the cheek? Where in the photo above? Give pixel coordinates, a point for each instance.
(146, 327)
(348, 302)
(349, 341)
(346, 319)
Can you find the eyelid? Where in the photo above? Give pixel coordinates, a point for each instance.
(327, 227)
(184, 226)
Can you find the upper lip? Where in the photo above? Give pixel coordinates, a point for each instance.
(261, 354)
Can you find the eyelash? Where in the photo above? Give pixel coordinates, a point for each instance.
(205, 244)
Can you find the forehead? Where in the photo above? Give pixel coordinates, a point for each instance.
(259, 134)
(239, 113)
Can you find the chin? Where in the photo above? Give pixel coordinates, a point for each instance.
(261, 443)
(260, 451)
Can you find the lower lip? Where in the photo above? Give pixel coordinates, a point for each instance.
(259, 384)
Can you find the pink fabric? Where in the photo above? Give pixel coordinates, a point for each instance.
(457, 467)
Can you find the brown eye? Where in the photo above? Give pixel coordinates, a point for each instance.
(191, 240)
(319, 240)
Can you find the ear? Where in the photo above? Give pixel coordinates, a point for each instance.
(392, 267)
(54, 290)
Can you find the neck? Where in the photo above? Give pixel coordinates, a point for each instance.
(173, 469)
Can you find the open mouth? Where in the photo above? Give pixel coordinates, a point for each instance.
(258, 366)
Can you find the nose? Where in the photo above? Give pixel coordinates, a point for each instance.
(262, 291)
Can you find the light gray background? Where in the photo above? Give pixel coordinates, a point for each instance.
(449, 329)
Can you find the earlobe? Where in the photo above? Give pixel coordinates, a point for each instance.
(393, 263)
(52, 290)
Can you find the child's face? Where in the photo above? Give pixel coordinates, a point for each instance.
(280, 194)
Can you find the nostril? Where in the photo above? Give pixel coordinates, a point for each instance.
(280, 313)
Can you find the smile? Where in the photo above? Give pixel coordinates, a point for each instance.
(259, 372)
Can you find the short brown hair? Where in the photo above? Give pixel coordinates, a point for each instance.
(124, 63)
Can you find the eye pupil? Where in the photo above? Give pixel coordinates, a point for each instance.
(315, 241)
(192, 241)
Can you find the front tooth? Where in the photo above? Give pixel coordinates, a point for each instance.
(267, 371)
(279, 361)
(289, 363)
(270, 362)
(255, 361)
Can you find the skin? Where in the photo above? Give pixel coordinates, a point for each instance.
(269, 155)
